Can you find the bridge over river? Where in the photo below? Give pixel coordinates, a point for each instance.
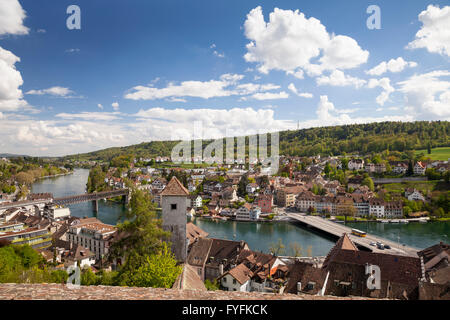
(94, 197)
(336, 230)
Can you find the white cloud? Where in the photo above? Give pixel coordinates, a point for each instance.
(294, 90)
(249, 88)
(328, 115)
(11, 18)
(427, 95)
(269, 95)
(393, 65)
(338, 78)
(435, 32)
(385, 84)
(161, 123)
(73, 50)
(218, 54)
(54, 91)
(200, 89)
(10, 82)
(115, 105)
(299, 74)
(41, 31)
(290, 41)
(100, 116)
(227, 85)
(100, 106)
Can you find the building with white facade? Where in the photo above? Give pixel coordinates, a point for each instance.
(92, 234)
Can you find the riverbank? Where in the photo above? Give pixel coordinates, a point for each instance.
(55, 175)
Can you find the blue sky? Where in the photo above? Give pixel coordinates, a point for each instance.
(148, 70)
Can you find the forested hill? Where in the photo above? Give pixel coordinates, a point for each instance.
(336, 140)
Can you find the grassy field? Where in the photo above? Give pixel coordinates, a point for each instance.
(436, 153)
(423, 186)
(435, 187)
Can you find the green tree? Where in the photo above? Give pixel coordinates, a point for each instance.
(211, 285)
(368, 182)
(24, 178)
(140, 236)
(159, 270)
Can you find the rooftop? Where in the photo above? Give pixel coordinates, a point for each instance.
(175, 188)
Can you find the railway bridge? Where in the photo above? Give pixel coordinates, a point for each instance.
(94, 197)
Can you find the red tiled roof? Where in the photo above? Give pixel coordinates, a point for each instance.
(175, 188)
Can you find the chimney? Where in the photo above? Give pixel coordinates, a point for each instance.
(221, 269)
(299, 287)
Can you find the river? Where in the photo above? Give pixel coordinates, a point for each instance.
(259, 236)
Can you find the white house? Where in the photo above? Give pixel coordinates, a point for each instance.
(414, 195)
(356, 164)
(248, 212)
(78, 255)
(420, 168)
(196, 202)
(237, 279)
(251, 188)
(376, 208)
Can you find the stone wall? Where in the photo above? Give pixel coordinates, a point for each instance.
(13, 291)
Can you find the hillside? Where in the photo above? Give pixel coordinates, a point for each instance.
(335, 140)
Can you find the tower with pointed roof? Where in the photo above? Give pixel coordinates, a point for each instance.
(174, 199)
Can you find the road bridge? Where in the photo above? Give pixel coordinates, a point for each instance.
(336, 230)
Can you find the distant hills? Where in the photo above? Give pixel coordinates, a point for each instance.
(333, 140)
(10, 155)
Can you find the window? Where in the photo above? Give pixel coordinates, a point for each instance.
(234, 281)
(173, 206)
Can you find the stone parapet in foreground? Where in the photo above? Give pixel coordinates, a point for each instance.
(13, 291)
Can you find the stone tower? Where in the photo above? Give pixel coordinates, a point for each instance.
(174, 199)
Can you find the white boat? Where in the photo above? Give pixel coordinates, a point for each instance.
(423, 221)
(404, 221)
(384, 221)
(395, 221)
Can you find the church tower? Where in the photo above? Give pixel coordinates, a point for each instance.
(174, 199)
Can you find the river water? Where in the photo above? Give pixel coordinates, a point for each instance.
(259, 236)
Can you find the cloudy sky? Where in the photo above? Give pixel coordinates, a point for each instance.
(149, 70)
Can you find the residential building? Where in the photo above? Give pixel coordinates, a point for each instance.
(265, 201)
(212, 257)
(413, 194)
(356, 164)
(92, 234)
(346, 273)
(305, 201)
(196, 201)
(420, 168)
(237, 279)
(37, 237)
(248, 212)
(376, 208)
